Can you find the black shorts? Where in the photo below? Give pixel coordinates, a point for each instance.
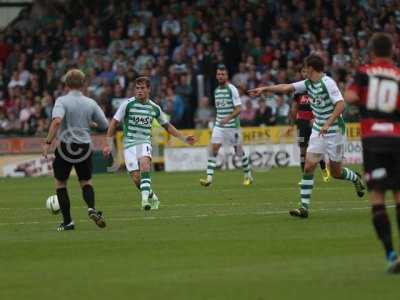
(382, 163)
(78, 156)
(303, 132)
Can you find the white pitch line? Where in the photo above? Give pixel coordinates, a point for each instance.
(265, 188)
(246, 203)
(278, 212)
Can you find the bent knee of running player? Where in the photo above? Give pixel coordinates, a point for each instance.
(239, 151)
(336, 168)
(214, 149)
(145, 163)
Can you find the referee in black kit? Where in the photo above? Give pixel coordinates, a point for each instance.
(73, 115)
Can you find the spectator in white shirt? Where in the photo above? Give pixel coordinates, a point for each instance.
(170, 25)
(340, 58)
(144, 59)
(136, 26)
(25, 113)
(24, 74)
(15, 81)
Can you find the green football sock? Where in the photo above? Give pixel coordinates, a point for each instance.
(349, 175)
(306, 186)
(246, 166)
(211, 164)
(145, 185)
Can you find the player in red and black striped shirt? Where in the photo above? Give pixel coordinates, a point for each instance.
(302, 115)
(375, 90)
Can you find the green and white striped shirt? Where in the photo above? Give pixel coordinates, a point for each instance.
(137, 120)
(323, 94)
(226, 99)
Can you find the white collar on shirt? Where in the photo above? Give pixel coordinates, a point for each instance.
(75, 93)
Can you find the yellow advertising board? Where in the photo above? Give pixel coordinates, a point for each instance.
(256, 135)
(251, 136)
(353, 131)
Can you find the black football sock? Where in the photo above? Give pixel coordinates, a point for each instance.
(63, 200)
(88, 195)
(302, 161)
(322, 164)
(381, 223)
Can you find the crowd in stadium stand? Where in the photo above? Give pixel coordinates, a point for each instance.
(176, 43)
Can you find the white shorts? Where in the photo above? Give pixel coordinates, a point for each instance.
(133, 154)
(226, 136)
(331, 145)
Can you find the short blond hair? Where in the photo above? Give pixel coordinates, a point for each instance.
(74, 79)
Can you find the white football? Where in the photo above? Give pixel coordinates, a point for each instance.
(52, 204)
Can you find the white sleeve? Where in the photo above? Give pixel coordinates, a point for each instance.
(300, 86)
(58, 109)
(333, 90)
(235, 95)
(120, 113)
(162, 118)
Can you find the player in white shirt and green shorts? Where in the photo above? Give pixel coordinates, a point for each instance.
(227, 127)
(328, 135)
(137, 115)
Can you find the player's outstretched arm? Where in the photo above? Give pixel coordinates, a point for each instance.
(190, 139)
(278, 88)
(110, 137)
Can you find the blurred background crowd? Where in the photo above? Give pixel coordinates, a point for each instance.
(178, 44)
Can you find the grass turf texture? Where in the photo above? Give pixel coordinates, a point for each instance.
(222, 242)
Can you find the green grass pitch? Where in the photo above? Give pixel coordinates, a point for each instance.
(223, 242)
